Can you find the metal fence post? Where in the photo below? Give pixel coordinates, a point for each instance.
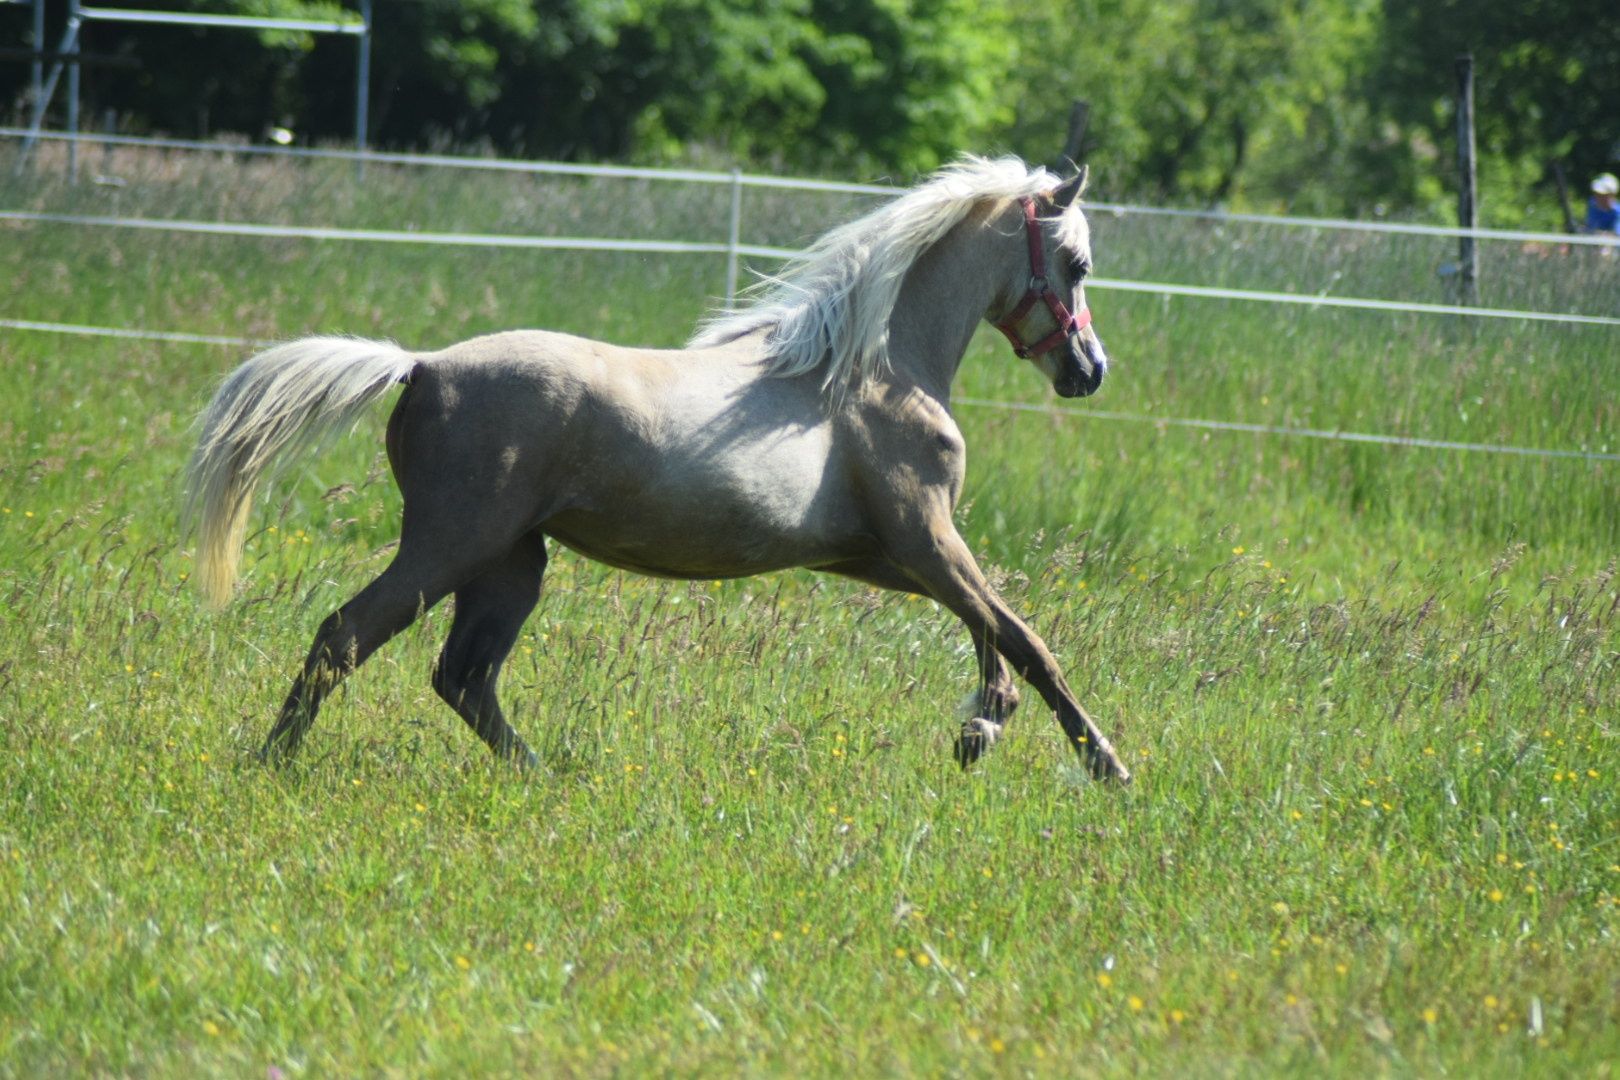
(733, 236)
(71, 58)
(36, 74)
(37, 124)
(362, 92)
(1467, 192)
(73, 94)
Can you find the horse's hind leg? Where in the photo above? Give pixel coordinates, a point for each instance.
(490, 611)
(344, 641)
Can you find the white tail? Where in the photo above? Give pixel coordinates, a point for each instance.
(277, 404)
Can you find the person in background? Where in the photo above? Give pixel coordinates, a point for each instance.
(1602, 215)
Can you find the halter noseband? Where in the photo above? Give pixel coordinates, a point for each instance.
(1039, 289)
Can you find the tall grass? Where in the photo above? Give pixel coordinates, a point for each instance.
(1368, 693)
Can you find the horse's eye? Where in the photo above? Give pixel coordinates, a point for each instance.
(1079, 268)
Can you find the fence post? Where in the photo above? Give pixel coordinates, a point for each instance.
(36, 125)
(1079, 116)
(362, 92)
(73, 95)
(733, 236)
(36, 72)
(1562, 182)
(1467, 192)
(109, 127)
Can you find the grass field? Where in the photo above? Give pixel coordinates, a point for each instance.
(1369, 693)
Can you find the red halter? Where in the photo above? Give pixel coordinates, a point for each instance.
(1040, 289)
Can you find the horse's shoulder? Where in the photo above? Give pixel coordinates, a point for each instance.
(904, 420)
(908, 406)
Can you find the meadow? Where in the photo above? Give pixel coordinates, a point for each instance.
(1369, 692)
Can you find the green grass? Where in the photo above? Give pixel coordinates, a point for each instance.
(1369, 694)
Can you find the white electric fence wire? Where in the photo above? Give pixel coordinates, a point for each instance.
(1354, 303)
(702, 176)
(77, 330)
(446, 161)
(974, 402)
(1303, 433)
(1400, 228)
(760, 251)
(576, 243)
(396, 236)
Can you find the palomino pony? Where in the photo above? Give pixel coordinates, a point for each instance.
(810, 428)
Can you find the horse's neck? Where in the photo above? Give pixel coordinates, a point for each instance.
(945, 295)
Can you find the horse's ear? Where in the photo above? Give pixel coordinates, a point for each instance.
(1071, 189)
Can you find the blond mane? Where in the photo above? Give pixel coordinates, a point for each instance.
(828, 308)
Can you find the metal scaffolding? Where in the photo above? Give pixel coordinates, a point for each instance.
(68, 57)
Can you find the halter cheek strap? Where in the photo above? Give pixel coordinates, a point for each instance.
(1039, 290)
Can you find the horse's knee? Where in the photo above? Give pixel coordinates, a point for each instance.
(449, 681)
(461, 678)
(335, 647)
(1000, 700)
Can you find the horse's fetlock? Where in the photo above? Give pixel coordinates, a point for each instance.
(978, 736)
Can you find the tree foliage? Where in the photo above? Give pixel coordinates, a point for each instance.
(827, 85)
(1316, 105)
(1547, 87)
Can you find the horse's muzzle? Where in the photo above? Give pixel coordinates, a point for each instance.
(1085, 366)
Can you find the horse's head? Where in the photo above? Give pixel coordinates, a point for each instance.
(1046, 317)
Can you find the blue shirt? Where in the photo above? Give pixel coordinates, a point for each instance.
(1599, 220)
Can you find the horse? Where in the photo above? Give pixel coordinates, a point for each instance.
(807, 426)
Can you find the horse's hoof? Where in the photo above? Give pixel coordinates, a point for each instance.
(1108, 767)
(525, 761)
(978, 735)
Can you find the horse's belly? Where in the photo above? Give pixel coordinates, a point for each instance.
(686, 561)
(711, 546)
(746, 511)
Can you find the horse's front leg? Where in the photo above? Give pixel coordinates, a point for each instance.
(992, 702)
(940, 560)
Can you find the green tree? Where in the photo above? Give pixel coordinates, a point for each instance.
(1202, 100)
(1547, 84)
(829, 86)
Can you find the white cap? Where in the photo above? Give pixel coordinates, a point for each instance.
(1606, 184)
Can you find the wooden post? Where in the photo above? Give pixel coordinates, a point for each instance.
(1467, 191)
(1563, 197)
(1079, 116)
